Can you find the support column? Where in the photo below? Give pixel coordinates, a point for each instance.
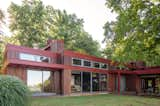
(66, 82)
(56, 80)
(119, 83)
(138, 84)
(91, 83)
(111, 82)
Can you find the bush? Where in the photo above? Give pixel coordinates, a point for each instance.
(13, 92)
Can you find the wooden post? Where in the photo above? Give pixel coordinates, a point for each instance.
(119, 82)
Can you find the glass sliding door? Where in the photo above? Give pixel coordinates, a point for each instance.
(86, 81)
(39, 81)
(34, 80)
(95, 82)
(47, 81)
(103, 82)
(76, 82)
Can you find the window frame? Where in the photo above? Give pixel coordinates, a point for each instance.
(96, 67)
(36, 58)
(102, 67)
(77, 59)
(88, 61)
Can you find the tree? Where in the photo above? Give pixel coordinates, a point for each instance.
(136, 34)
(32, 22)
(1, 15)
(1, 40)
(28, 22)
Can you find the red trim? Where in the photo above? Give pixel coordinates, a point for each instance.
(52, 66)
(148, 71)
(85, 56)
(30, 50)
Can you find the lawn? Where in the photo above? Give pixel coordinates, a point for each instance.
(98, 100)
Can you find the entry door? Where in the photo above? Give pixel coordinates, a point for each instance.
(86, 83)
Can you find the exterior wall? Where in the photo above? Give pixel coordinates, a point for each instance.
(138, 84)
(57, 82)
(66, 82)
(130, 83)
(67, 60)
(19, 72)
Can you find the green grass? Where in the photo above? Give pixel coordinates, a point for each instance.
(98, 100)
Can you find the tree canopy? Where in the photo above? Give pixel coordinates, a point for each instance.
(135, 35)
(33, 22)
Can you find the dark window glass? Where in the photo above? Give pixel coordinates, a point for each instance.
(87, 63)
(77, 62)
(96, 65)
(43, 59)
(104, 66)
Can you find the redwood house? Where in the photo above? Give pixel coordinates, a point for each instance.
(54, 69)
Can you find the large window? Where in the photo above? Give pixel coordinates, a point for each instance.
(103, 82)
(39, 81)
(95, 81)
(76, 61)
(76, 81)
(37, 58)
(88, 82)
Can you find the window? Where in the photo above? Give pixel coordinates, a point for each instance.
(77, 62)
(96, 65)
(104, 66)
(87, 63)
(30, 57)
(39, 81)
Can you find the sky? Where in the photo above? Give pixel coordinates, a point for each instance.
(94, 13)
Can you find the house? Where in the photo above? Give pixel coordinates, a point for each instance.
(54, 69)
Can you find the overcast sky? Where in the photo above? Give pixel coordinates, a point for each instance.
(94, 13)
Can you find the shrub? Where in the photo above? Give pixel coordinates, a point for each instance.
(13, 92)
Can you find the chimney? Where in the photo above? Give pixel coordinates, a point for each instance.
(56, 45)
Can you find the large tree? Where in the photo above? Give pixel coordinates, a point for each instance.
(32, 22)
(135, 36)
(1, 38)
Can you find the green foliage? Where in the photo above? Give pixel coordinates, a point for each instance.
(3, 41)
(28, 22)
(13, 92)
(135, 35)
(32, 22)
(1, 15)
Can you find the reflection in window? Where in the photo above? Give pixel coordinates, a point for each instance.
(95, 81)
(104, 66)
(87, 63)
(77, 62)
(96, 65)
(103, 82)
(30, 57)
(39, 81)
(76, 81)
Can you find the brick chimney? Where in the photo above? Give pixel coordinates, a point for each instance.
(56, 45)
